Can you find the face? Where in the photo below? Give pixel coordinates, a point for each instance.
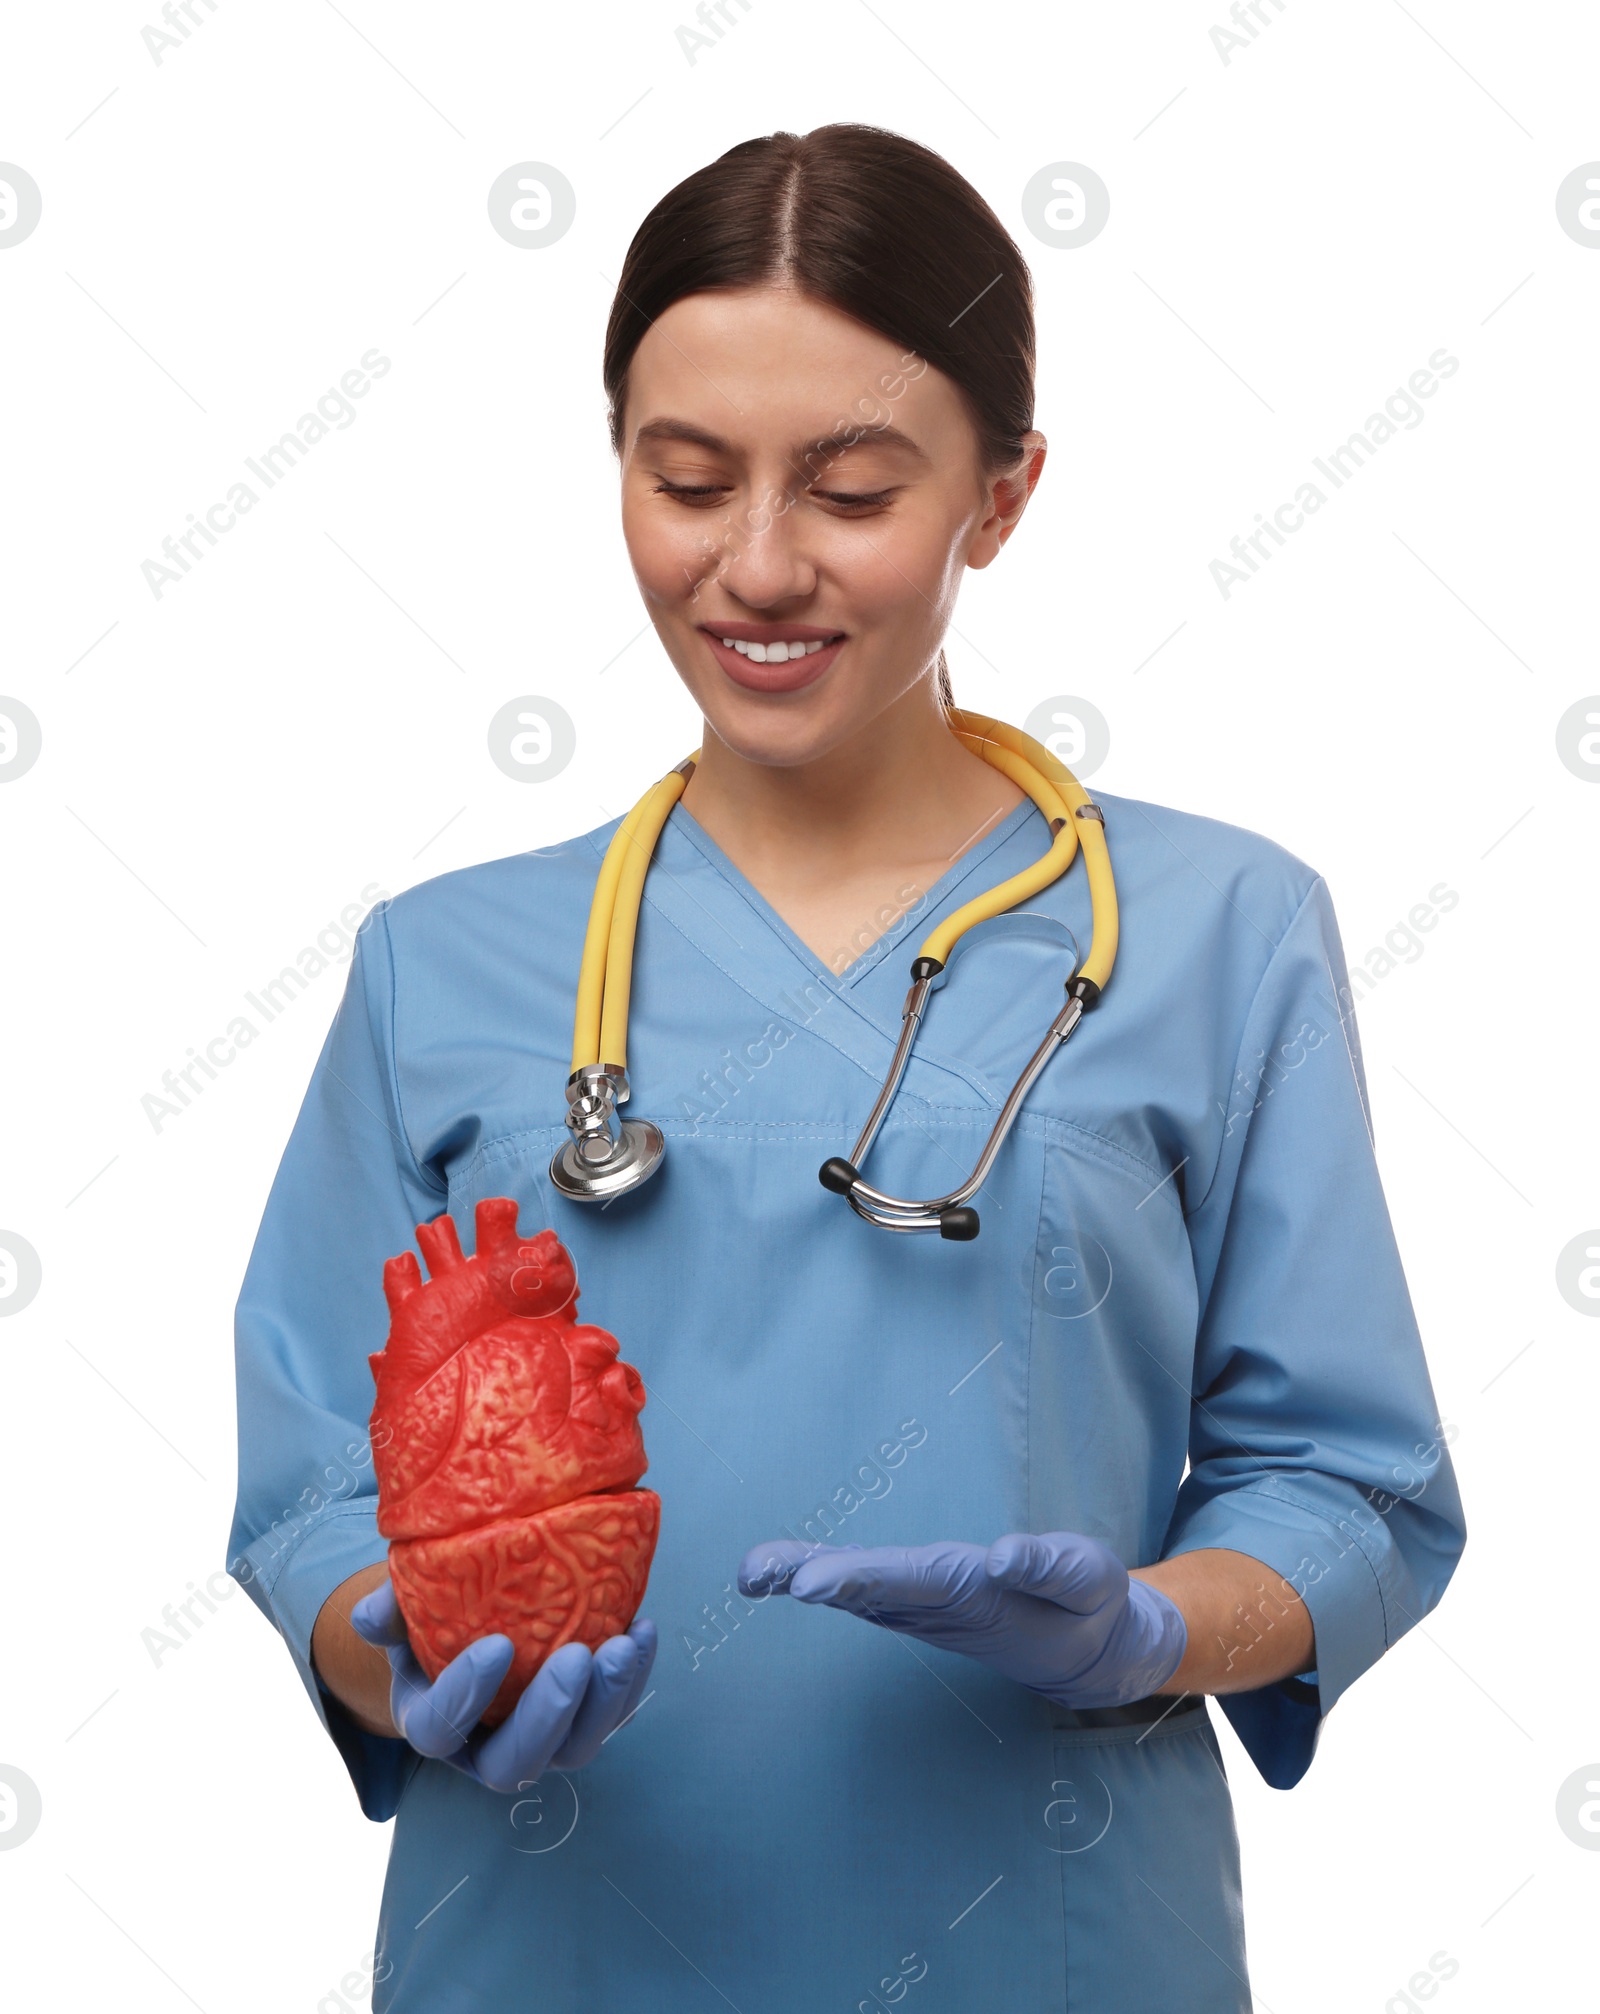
(800, 498)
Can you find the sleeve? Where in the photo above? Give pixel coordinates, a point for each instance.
(348, 1194)
(1315, 1442)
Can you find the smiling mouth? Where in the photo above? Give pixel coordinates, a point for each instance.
(773, 643)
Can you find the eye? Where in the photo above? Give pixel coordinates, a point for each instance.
(855, 502)
(696, 495)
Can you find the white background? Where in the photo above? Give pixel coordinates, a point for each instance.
(1292, 234)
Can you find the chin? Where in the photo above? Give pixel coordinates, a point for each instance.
(786, 731)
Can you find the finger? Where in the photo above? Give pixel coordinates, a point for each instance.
(407, 1681)
(765, 1569)
(377, 1618)
(603, 1704)
(438, 1719)
(643, 1636)
(896, 1576)
(643, 1633)
(1063, 1567)
(518, 1752)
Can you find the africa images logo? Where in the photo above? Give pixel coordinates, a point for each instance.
(1402, 409)
(333, 410)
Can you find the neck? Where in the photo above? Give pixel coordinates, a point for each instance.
(897, 793)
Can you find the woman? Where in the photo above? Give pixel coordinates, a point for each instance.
(938, 1599)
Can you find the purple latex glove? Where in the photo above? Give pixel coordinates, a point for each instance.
(1055, 1611)
(573, 1702)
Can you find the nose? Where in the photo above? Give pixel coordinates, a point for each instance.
(764, 557)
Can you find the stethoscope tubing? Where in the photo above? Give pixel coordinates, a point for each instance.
(607, 1156)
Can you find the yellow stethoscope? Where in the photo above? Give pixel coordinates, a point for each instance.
(606, 1156)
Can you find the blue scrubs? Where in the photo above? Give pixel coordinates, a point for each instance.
(1184, 1324)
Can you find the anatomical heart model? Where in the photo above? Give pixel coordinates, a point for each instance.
(506, 1443)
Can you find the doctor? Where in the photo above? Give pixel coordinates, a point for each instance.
(956, 1536)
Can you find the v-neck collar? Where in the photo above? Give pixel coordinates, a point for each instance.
(916, 920)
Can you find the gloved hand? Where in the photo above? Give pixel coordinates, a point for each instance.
(572, 1702)
(1057, 1612)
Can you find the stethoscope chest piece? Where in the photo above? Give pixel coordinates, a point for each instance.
(606, 1156)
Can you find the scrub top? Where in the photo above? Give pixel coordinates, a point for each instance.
(1184, 1324)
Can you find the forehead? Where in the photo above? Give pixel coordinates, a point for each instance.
(771, 367)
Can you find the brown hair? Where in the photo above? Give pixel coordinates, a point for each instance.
(869, 223)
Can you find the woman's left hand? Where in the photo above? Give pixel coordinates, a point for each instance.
(1057, 1611)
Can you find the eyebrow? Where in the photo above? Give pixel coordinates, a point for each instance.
(828, 447)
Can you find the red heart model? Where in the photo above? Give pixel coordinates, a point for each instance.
(506, 1443)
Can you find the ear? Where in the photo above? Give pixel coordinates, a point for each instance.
(1005, 497)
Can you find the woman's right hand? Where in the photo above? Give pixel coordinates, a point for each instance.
(571, 1704)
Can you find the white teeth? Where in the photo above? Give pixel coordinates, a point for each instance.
(773, 653)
